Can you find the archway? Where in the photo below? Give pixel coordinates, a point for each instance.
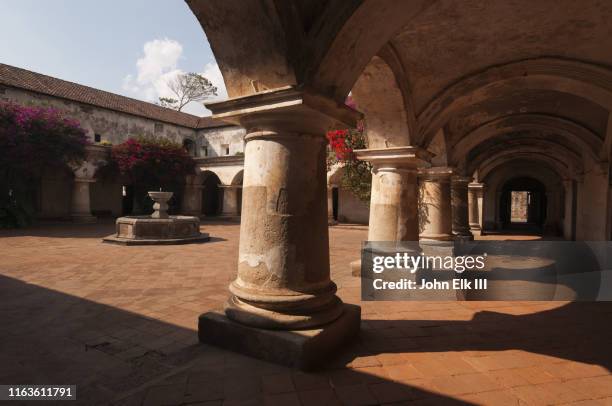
(237, 181)
(211, 197)
(51, 197)
(522, 205)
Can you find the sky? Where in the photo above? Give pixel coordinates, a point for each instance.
(129, 47)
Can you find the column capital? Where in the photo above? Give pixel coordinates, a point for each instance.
(408, 157)
(288, 109)
(476, 186)
(461, 180)
(230, 186)
(437, 173)
(95, 155)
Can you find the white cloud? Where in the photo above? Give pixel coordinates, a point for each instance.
(213, 73)
(160, 64)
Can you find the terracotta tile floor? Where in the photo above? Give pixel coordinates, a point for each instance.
(120, 322)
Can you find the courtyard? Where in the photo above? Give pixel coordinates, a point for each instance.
(121, 324)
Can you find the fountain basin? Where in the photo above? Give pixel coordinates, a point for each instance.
(145, 230)
(159, 228)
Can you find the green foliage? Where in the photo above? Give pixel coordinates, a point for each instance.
(357, 175)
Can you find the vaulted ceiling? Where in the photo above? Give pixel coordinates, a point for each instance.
(463, 77)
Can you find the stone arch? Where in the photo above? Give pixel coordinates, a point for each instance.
(211, 193)
(377, 94)
(564, 161)
(354, 45)
(50, 195)
(589, 81)
(544, 171)
(561, 167)
(570, 131)
(238, 178)
(264, 44)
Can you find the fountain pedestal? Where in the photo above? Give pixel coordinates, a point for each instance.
(159, 228)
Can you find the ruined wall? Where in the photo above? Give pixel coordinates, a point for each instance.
(106, 198)
(216, 139)
(112, 126)
(53, 194)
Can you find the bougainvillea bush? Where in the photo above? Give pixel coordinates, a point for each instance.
(149, 163)
(357, 175)
(32, 139)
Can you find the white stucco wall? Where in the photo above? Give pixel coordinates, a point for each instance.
(215, 138)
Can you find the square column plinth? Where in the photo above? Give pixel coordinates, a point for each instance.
(302, 349)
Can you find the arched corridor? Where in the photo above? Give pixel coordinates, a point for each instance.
(465, 107)
(211, 194)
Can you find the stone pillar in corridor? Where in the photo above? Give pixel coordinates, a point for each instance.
(394, 197)
(191, 204)
(283, 280)
(550, 221)
(330, 205)
(459, 200)
(80, 210)
(231, 206)
(475, 196)
(435, 209)
(84, 176)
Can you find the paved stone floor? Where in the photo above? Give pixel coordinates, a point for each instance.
(120, 322)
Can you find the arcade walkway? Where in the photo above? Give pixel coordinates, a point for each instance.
(120, 322)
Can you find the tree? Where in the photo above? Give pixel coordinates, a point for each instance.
(32, 140)
(187, 87)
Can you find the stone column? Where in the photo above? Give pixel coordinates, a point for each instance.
(230, 200)
(435, 209)
(331, 221)
(81, 201)
(459, 197)
(394, 202)
(191, 204)
(283, 280)
(475, 193)
(84, 176)
(552, 213)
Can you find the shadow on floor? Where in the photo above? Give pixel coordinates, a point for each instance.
(579, 332)
(119, 357)
(50, 337)
(66, 229)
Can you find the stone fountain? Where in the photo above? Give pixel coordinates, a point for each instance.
(159, 228)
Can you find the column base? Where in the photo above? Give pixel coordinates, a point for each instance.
(434, 248)
(464, 237)
(83, 218)
(223, 217)
(193, 213)
(436, 237)
(332, 222)
(302, 349)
